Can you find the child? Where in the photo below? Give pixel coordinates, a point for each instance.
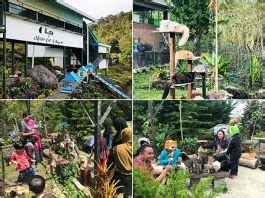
(37, 186)
(234, 148)
(23, 161)
(37, 146)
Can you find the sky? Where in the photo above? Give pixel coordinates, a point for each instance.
(101, 8)
(238, 111)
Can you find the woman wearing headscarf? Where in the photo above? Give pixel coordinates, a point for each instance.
(119, 124)
(234, 147)
(108, 133)
(122, 162)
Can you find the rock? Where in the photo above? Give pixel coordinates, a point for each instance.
(41, 96)
(42, 75)
(237, 92)
(158, 84)
(260, 94)
(202, 68)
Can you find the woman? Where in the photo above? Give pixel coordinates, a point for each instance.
(234, 148)
(119, 124)
(122, 163)
(220, 145)
(108, 133)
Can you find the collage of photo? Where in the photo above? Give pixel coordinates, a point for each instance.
(132, 98)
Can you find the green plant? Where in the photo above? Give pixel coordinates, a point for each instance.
(189, 145)
(223, 64)
(64, 174)
(14, 91)
(144, 185)
(255, 73)
(201, 189)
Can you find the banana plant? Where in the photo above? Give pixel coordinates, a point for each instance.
(223, 64)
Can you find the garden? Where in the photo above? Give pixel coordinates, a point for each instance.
(72, 135)
(225, 41)
(194, 126)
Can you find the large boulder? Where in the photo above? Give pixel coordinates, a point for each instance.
(237, 92)
(42, 75)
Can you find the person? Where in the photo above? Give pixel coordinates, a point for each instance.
(220, 145)
(26, 134)
(119, 124)
(234, 147)
(104, 152)
(108, 133)
(37, 186)
(121, 161)
(144, 159)
(22, 160)
(38, 154)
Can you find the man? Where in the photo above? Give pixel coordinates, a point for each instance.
(144, 159)
(25, 134)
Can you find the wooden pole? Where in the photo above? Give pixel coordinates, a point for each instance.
(189, 85)
(172, 60)
(216, 46)
(4, 65)
(97, 136)
(151, 113)
(180, 119)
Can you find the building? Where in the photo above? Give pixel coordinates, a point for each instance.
(146, 19)
(52, 29)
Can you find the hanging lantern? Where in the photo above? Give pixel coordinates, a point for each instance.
(2, 16)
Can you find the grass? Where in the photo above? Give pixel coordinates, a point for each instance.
(143, 89)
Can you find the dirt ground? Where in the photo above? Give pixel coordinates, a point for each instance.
(249, 183)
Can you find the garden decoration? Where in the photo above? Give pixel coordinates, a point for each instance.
(170, 154)
(173, 28)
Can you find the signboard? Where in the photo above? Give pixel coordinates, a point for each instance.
(24, 30)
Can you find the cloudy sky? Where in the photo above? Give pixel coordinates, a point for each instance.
(101, 8)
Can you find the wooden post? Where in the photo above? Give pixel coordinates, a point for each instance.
(180, 119)
(172, 60)
(189, 85)
(216, 46)
(151, 113)
(26, 60)
(64, 61)
(4, 65)
(203, 86)
(97, 135)
(12, 57)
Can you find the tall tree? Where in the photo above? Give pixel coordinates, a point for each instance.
(193, 13)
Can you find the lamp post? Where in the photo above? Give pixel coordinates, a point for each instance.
(3, 31)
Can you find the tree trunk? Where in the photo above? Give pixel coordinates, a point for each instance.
(250, 163)
(197, 43)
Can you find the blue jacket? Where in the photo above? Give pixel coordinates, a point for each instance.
(164, 155)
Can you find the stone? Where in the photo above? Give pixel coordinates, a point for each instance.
(237, 92)
(42, 75)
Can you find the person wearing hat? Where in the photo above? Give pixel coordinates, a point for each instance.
(234, 147)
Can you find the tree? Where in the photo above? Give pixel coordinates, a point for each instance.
(116, 30)
(195, 14)
(197, 118)
(252, 118)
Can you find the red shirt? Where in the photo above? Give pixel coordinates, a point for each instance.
(138, 162)
(23, 160)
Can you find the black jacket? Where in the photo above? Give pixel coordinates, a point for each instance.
(234, 147)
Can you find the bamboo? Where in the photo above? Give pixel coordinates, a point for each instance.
(216, 47)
